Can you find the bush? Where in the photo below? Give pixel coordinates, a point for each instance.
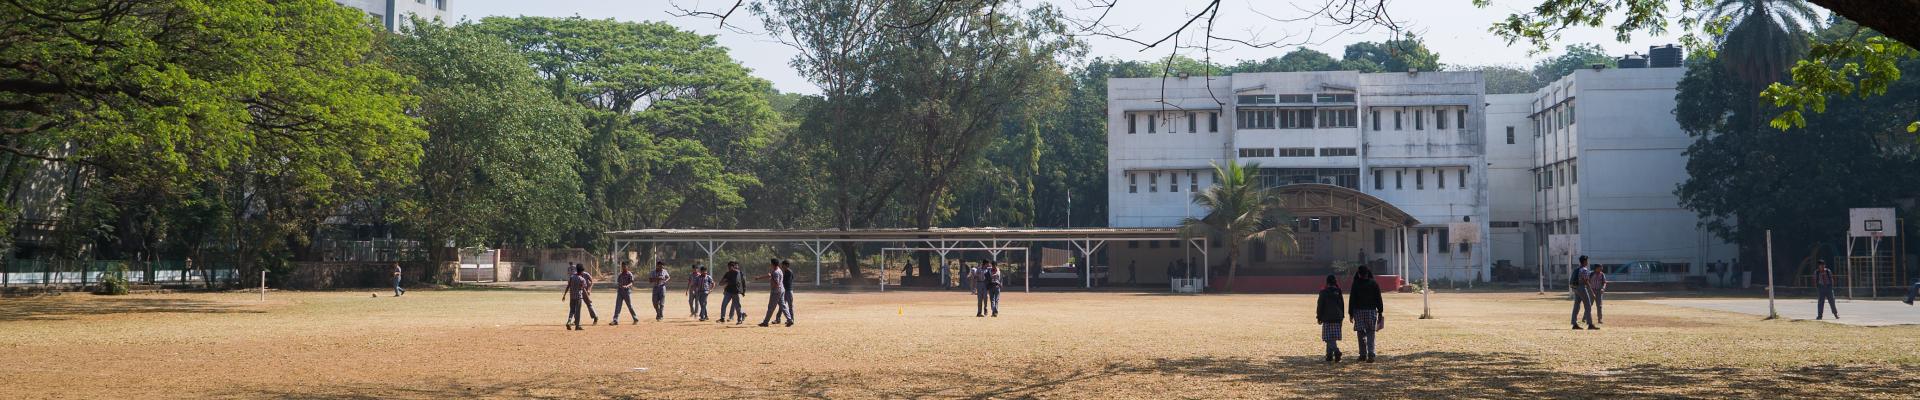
(114, 282)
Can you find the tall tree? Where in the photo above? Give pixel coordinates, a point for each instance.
(499, 166)
(1395, 55)
(666, 113)
(1575, 57)
(1239, 209)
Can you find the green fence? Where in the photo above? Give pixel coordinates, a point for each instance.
(88, 272)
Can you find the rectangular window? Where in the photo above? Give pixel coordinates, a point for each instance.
(1257, 99)
(1460, 116)
(1440, 119)
(1379, 241)
(1576, 173)
(1442, 239)
(1256, 119)
(1399, 179)
(1173, 182)
(1294, 98)
(1570, 112)
(1376, 120)
(1133, 182)
(1193, 181)
(1294, 152)
(1153, 244)
(1213, 121)
(1421, 247)
(1338, 152)
(1509, 135)
(1419, 120)
(1378, 184)
(1420, 179)
(1440, 178)
(1133, 244)
(1504, 224)
(1334, 98)
(1153, 182)
(440, 4)
(1131, 126)
(1336, 118)
(1463, 178)
(1153, 121)
(1193, 125)
(1253, 152)
(1396, 119)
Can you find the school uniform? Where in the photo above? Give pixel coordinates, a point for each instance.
(397, 290)
(1823, 282)
(576, 291)
(659, 281)
(788, 294)
(731, 289)
(623, 296)
(701, 285)
(776, 297)
(1365, 307)
(1597, 285)
(1582, 299)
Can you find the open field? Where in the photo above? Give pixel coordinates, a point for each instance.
(509, 344)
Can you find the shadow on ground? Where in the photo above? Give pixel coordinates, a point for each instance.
(1419, 375)
(63, 309)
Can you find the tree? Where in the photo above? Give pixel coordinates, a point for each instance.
(499, 165)
(1576, 57)
(1503, 79)
(666, 112)
(1300, 59)
(1397, 55)
(1239, 209)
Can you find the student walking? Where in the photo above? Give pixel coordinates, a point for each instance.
(1581, 297)
(701, 283)
(659, 279)
(776, 296)
(586, 293)
(1597, 285)
(991, 282)
(786, 269)
(623, 293)
(1366, 309)
(731, 288)
(1823, 284)
(576, 292)
(397, 290)
(1328, 314)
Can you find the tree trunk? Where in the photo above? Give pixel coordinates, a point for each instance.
(850, 255)
(1233, 264)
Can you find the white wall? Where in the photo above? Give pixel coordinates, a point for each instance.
(1510, 178)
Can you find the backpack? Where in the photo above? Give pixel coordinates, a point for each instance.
(1574, 281)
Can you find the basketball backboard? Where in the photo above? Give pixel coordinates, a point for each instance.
(1871, 222)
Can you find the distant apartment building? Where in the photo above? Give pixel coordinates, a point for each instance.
(393, 13)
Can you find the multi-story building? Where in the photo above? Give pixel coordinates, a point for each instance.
(1432, 145)
(393, 13)
(1411, 140)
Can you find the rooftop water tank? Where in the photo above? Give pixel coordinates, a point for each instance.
(1664, 56)
(1633, 61)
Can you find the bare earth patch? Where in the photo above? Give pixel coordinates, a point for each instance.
(509, 344)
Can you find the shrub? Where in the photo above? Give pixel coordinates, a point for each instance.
(114, 282)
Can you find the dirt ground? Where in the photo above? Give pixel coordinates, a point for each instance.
(509, 344)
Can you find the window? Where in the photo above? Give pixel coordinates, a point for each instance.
(1504, 224)
(1338, 152)
(1419, 119)
(1313, 225)
(1294, 98)
(1569, 112)
(1336, 118)
(1256, 119)
(1153, 244)
(1335, 226)
(1295, 118)
(1460, 117)
(1251, 152)
(1173, 182)
(1131, 126)
(1334, 98)
(1193, 181)
(1396, 119)
(1378, 184)
(1421, 247)
(440, 4)
(1133, 183)
(1257, 99)
(1193, 124)
(1440, 119)
(1133, 244)
(1575, 173)
(1399, 179)
(1509, 135)
(1440, 178)
(1379, 241)
(1463, 178)
(1420, 179)
(1153, 121)
(1153, 182)
(1376, 120)
(1294, 152)
(1259, 249)
(1442, 238)
(1213, 121)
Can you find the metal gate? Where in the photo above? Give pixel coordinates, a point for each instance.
(477, 265)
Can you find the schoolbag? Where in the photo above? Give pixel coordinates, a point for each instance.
(1574, 281)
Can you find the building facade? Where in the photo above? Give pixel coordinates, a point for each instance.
(393, 13)
(1431, 144)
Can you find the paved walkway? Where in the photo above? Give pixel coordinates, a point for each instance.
(1886, 312)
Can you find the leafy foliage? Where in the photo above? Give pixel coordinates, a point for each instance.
(1239, 209)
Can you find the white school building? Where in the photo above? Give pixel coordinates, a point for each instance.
(1433, 145)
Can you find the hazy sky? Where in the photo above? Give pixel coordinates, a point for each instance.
(1453, 28)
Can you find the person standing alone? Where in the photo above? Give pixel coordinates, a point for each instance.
(659, 279)
(1823, 283)
(623, 293)
(1581, 297)
(1366, 309)
(1327, 313)
(732, 287)
(397, 290)
(701, 283)
(776, 296)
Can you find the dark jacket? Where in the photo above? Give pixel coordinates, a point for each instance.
(732, 282)
(1330, 306)
(1366, 296)
(786, 280)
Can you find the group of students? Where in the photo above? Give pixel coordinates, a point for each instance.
(1589, 287)
(733, 284)
(1364, 308)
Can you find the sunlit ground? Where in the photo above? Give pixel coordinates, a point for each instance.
(509, 344)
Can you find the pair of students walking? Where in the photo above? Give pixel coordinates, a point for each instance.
(1589, 286)
(987, 292)
(1365, 310)
(780, 297)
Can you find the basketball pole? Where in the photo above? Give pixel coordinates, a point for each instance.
(1873, 266)
(1772, 313)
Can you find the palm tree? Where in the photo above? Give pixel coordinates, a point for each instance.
(1766, 37)
(1239, 209)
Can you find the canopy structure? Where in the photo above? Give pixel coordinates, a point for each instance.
(939, 240)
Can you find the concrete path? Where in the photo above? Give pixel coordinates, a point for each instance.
(1859, 312)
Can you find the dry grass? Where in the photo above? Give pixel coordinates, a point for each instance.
(920, 345)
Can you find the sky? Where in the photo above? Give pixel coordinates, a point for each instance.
(1453, 28)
